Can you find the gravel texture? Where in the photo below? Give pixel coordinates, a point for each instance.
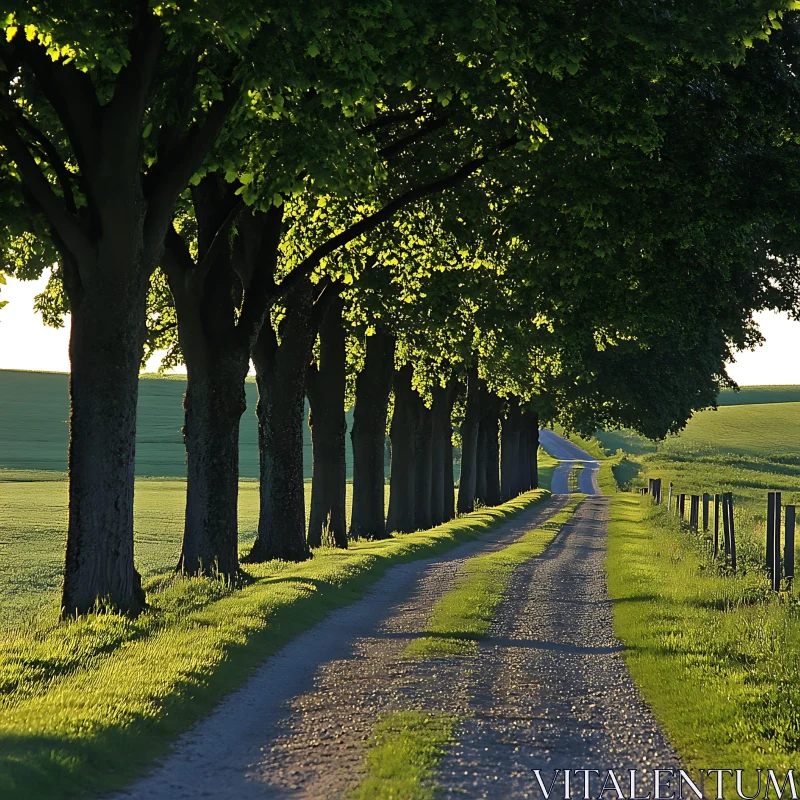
(551, 689)
(297, 728)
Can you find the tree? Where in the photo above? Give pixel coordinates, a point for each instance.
(81, 104)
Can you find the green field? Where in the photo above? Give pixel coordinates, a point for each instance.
(759, 394)
(34, 425)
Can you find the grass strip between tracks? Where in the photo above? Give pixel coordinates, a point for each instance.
(87, 706)
(465, 613)
(404, 751)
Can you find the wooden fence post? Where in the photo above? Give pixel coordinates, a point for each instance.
(770, 531)
(788, 544)
(716, 525)
(682, 506)
(732, 531)
(726, 533)
(669, 497)
(706, 501)
(776, 545)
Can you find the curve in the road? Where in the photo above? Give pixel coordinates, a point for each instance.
(568, 453)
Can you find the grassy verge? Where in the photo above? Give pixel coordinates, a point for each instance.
(86, 706)
(547, 465)
(405, 749)
(465, 613)
(716, 656)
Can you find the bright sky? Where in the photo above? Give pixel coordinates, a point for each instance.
(25, 343)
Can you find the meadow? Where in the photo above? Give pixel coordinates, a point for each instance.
(34, 425)
(748, 449)
(34, 409)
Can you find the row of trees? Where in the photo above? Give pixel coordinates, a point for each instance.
(493, 214)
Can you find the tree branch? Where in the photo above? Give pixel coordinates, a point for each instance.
(125, 113)
(398, 146)
(312, 260)
(218, 241)
(262, 258)
(387, 120)
(66, 226)
(173, 172)
(50, 154)
(71, 94)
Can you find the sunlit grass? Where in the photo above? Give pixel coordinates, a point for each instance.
(405, 749)
(33, 531)
(716, 656)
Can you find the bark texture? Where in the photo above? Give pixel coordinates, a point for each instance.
(403, 432)
(325, 387)
(509, 457)
(442, 453)
(213, 405)
(280, 375)
(423, 467)
(106, 342)
(481, 464)
(373, 385)
(491, 425)
(217, 356)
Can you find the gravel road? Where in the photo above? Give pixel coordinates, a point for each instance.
(547, 689)
(297, 728)
(551, 689)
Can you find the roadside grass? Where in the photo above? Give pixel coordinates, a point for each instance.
(465, 613)
(715, 655)
(748, 478)
(33, 533)
(546, 465)
(86, 706)
(574, 475)
(404, 751)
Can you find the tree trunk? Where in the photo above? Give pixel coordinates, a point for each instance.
(325, 387)
(280, 375)
(423, 468)
(481, 464)
(441, 442)
(449, 477)
(213, 405)
(491, 425)
(373, 385)
(105, 349)
(509, 460)
(469, 445)
(403, 432)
